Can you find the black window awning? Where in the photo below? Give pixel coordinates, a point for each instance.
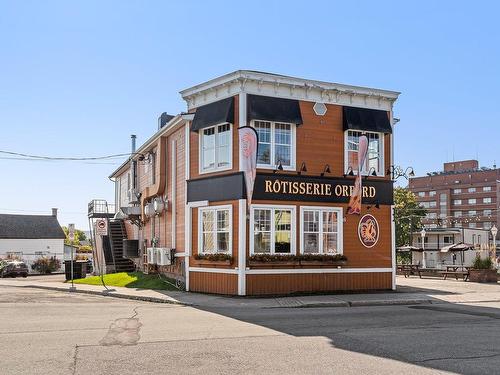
(372, 120)
(214, 113)
(273, 109)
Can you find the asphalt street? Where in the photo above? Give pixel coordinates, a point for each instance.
(50, 332)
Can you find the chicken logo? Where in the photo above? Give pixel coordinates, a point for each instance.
(368, 230)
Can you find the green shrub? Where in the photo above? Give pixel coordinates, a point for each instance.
(482, 264)
(46, 265)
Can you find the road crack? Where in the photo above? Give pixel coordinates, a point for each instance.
(123, 331)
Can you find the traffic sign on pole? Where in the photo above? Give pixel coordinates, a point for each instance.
(101, 227)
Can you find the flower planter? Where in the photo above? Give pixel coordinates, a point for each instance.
(206, 262)
(324, 263)
(254, 263)
(483, 276)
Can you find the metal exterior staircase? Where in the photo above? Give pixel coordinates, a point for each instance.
(117, 234)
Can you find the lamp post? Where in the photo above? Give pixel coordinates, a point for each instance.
(494, 231)
(422, 234)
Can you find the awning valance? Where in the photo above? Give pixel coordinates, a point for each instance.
(214, 113)
(269, 108)
(371, 120)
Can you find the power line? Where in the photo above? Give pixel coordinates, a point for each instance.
(42, 157)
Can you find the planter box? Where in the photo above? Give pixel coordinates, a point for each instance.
(288, 264)
(206, 262)
(483, 276)
(327, 263)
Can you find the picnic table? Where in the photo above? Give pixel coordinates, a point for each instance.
(409, 269)
(457, 271)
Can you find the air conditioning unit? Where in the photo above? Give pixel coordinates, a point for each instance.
(151, 251)
(164, 256)
(132, 196)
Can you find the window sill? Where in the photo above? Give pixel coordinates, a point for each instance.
(206, 262)
(216, 170)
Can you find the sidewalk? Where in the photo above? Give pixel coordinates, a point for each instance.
(411, 291)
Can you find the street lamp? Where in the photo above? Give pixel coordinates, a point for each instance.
(494, 231)
(422, 234)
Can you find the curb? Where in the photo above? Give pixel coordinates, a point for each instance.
(390, 302)
(107, 294)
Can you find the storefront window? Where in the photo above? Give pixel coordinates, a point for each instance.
(374, 157)
(320, 231)
(216, 148)
(273, 230)
(275, 144)
(215, 230)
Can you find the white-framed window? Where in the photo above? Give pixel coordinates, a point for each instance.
(471, 190)
(216, 145)
(472, 213)
(374, 157)
(487, 188)
(321, 230)
(447, 239)
(276, 144)
(215, 229)
(425, 204)
(472, 201)
(272, 229)
(472, 225)
(431, 215)
(421, 194)
(457, 202)
(487, 213)
(487, 225)
(457, 214)
(432, 193)
(486, 200)
(457, 191)
(432, 204)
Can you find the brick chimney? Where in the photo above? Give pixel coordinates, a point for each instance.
(54, 212)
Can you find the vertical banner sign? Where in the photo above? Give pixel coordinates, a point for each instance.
(71, 232)
(249, 142)
(355, 201)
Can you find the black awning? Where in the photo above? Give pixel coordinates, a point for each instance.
(372, 120)
(214, 113)
(273, 109)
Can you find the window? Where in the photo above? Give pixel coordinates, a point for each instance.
(487, 213)
(432, 204)
(472, 225)
(457, 202)
(273, 230)
(448, 239)
(471, 190)
(432, 193)
(215, 148)
(472, 201)
(431, 215)
(457, 214)
(487, 188)
(214, 230)
(486, 200)
(321, 230)
(472, 213)
(374, 158)
(421, 194)
(487, 225)
(153, 168)
(424, 204)
(276, 144)
(458, 224)
(457, 191)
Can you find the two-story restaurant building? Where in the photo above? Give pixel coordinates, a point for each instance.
(184, 189)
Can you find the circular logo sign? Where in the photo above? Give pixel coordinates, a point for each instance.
(368, 230)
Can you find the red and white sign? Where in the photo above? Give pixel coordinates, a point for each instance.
(101, 227)
(71, 232)
(357, 195)
(368, 230)
(249, 142)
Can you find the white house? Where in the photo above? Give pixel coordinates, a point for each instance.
(30, 237)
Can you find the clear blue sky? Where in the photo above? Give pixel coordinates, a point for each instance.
(77, 78)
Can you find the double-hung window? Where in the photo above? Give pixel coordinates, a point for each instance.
(321, 231)
(273, 230)
(375, 155)
(276, 144)
(215, 146)
(214, 230)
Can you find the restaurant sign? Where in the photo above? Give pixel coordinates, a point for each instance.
(319, 189)
(368, 230)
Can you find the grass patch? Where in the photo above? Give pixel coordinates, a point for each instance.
(128, 280)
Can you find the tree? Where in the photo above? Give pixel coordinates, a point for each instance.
(79, 236)
(408, 215)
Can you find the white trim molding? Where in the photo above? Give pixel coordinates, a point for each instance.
(268, 84)
(215, 209)
(213, 270)
(242, 243)
(340, 226)
(317, 270)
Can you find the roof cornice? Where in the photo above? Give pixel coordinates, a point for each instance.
(261, 83)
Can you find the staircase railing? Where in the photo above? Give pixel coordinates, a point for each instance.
(110, 235)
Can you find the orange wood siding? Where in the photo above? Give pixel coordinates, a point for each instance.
(195, 149)
(325, 282)
(208, 282)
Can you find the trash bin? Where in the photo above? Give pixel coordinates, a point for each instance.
(79, 269)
